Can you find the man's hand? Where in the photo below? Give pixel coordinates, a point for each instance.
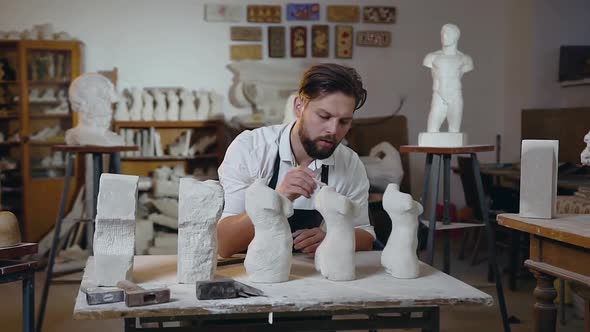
(308, 240)
(298, 182)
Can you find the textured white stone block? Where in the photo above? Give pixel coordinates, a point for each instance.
(442, 139)
(538, 178)
(199, 208)
(117, 196)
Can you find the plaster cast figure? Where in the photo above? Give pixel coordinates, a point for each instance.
(160, 110)
(173, 113)
(334, 258)
(448, 66)
(204, 105)
(137, 106)
(147, 113)
(188, 111)
(92, 95)
(585, 155)
(399, 255)
(269, 254)
(122, 111)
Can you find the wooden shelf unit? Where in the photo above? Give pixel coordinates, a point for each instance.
(30, 60)
(169, 130)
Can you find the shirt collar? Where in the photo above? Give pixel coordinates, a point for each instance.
(286, 153)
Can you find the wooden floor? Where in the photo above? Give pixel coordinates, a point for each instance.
(480, 319)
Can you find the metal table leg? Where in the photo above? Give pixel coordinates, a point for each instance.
(96, 172)
(55, 243)
(433, 201)
(29, 302)
(491, 242)
(115, 163)
(447, 216)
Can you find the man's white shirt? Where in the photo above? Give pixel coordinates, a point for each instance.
(252, 155)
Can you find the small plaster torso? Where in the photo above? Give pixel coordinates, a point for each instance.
(335, 256)
(269, 255)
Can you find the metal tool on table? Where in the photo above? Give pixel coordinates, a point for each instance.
(224, 289)
(102, 295)
(136, 296)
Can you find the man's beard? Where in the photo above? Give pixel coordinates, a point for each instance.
(312, 147)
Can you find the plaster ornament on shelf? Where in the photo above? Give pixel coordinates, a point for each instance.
(199, 208)
(48, 95)
(173, 113)
(201, 146)
(147, 113)
(92, 95)
(160, 110)
(137, 105)
(46, 133)
(9, 230)
(121, 110)
(34, 95)
(335, 256)
(447, 66)
(269, 255)
(188, 111)
(399, 255)
(216, 105)
(62, 108)
(204, 105)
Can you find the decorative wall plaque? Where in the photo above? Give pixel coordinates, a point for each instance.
(298, 42)
(246, 52)
(276, 42)
(303, 11)
(320, 41)
(223, 13)
(344, 41)
(264, 14)
(373, 38)
(349, 14)
(381, 15)
(246, 33)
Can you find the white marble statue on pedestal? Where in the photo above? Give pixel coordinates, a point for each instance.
(92, 95)
(269, 255)
(399, 255)
(447, 66)
(137, 106)
(147, 113)
(122, 111)
(160, 110)
(585, 155)
(334, 258)
(199, 208)
(188, 111)
(173, 113)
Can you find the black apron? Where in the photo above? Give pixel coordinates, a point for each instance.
(301, 219)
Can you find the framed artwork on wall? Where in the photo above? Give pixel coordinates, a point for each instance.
(298, 42)
(379, 15)
(348, 14)
(246, 52)
(223, 13)
(344, 41)
(264, 14)
(320, 41)
(276, 42)
(246, 33)
(373, 38)
(303, 11)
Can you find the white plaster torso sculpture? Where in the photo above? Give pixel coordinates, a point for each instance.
(160, 110)
(188, 111)
(270, 253)
(399, 255)
(147, 113)
(137, 106)
(92, 95)
(334, 258)
(447, 66)
(122, 111)
(199, 208)
(204, 105)
(216, 105)
(173, 113)
(585, 155)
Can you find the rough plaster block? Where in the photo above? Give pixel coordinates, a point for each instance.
(538, 178)
(200, 206)
(117, 196)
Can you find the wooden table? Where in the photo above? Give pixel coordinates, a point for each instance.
(299, 304)
(560, 247)
(14, 270)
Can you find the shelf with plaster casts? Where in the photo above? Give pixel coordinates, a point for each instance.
(172, 158)
(49, 82)
(167, 124)
(51, 116)
(49, 143)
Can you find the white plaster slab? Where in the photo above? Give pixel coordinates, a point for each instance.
(117, 196)
(442, 139)
(538, 178)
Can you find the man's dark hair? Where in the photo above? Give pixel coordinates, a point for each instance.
(329, 78)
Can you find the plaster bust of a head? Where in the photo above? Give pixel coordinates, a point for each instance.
(449, 34)
(93, 95)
